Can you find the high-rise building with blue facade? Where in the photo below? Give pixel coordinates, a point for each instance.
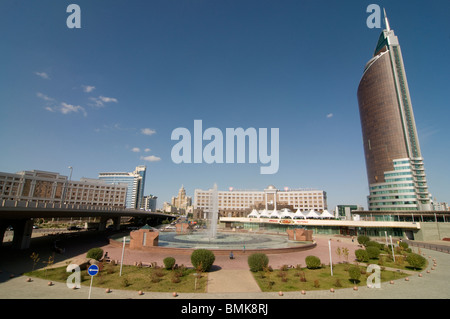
(135, 181)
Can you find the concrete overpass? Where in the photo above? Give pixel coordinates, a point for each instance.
(20, 215)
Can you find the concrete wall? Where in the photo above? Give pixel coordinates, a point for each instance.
(432, 231)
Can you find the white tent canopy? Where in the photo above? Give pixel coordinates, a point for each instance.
(299, 215)
(275, 214)
(326, 214)
(264, 214)
(254, 214)
(312, 214)
(286, 213)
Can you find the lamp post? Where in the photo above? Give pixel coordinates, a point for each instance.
(121, 261)
(331, 262)
(392, 247)
(67, 184)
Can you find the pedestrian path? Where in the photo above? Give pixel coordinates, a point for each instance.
(225, 281)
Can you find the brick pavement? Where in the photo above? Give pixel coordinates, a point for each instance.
(433, 285)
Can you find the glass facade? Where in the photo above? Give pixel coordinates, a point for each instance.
(395, 169)
(135, 181)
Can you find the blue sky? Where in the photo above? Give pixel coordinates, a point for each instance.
(107, 97)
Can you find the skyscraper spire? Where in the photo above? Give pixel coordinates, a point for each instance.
(386, 21)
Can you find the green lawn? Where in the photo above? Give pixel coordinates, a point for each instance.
(316, 279)
(133, 278)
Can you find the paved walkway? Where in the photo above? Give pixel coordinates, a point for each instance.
(230, 280)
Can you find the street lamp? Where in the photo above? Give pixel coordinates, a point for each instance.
(66, 188)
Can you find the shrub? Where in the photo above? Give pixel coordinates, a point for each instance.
(95, 253)
(354, 273)
(312, 262)
(175, 278)
(403, 245)
(363, 240)
(169, 262)
(361, 255)
(202, 258)
(316, 283)
(372, 243)
(373, 252)
(416, 261)
(257, 261)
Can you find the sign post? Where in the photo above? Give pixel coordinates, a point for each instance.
(92, 271)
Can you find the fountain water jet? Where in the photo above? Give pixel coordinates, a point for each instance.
(213, 213)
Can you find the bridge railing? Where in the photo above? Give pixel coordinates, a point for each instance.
(47, 205)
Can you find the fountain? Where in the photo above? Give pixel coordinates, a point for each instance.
(226, 241)
(213, 214)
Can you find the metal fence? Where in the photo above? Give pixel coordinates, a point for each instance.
(436, 247)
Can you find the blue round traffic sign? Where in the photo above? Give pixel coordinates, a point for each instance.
(93, 270)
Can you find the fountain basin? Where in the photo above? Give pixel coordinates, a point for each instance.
(222, 244)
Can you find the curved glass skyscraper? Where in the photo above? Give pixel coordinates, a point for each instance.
(394, 163)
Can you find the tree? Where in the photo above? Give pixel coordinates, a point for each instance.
(202, 258)
(363, 240)
(355, 273)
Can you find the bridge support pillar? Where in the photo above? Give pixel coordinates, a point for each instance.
(116, 221)
(22, 234)
(102, 225)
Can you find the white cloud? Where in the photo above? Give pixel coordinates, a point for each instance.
(42, 75)
(150, 158)
(147, 150)
(65, 108)
(107, 99)
(44, 97)
(136, 149)
(101, 100)
(88, 88)
(148, 131)
(69, 108)
(330, 115)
